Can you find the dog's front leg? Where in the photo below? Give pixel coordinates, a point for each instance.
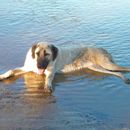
(6, 75)
(48, 80)
(10, 73)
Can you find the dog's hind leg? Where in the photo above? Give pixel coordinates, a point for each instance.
(100, 69)
(10, 73)
(105, 60)
(114, 67)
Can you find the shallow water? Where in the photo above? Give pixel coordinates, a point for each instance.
(81, 100)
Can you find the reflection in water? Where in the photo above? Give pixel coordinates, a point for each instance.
(31, 104)
(34, 83)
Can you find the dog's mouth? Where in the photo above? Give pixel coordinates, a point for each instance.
(42, 65)
(40, 71)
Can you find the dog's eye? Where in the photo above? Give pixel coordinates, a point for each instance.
(38, 53)
(46, 54)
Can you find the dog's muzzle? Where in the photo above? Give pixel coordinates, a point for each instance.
(42, 65)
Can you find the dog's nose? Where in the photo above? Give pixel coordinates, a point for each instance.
(39, 66)
(43, 64)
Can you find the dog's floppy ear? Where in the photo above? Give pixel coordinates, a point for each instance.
(54, 51)
(33, 50)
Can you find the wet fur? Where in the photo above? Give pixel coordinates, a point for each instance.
(65, 59)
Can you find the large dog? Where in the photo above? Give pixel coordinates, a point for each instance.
(43, 58)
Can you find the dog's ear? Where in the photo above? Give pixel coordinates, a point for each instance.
(33, 50)
(54, 52)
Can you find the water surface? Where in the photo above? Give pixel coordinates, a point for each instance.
(81, 100)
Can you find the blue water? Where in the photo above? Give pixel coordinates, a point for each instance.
(81, 100)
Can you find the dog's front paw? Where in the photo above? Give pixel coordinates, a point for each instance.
(48, 89)
(1, 78)
(6, 75)
(127, 81)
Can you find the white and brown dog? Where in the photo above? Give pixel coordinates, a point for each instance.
(43, 58)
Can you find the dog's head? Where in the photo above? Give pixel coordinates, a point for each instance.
(44, 54)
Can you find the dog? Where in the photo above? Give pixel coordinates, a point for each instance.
(48, 59)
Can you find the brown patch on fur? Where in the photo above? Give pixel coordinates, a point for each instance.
(33, 50)
(54, 52)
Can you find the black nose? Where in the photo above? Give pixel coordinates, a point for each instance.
(42, 64)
